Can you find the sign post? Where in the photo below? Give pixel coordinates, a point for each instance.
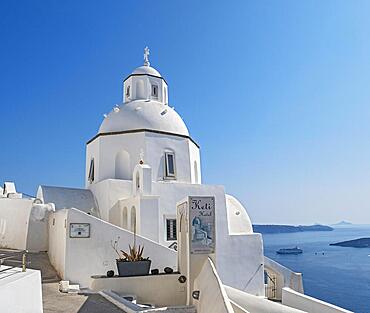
(196, 237)
(202, 225)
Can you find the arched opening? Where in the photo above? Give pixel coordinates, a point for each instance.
(124, 218)
(123, 165)
(133, 219)
(196, 175)
(138, 181)
(140, 90)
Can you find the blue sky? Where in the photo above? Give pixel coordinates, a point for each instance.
(275, 92)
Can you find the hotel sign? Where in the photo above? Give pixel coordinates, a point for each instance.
(202, 225)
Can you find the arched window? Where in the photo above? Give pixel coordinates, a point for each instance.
(128, 91)
(155, 91)
(170, 165)
(124, 218)
(196, 175)
(91, 176)
(123, 165)
(137, 181)
(133, 219)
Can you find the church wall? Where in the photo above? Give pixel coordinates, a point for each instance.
(153, 146)
(141, 88)
(157, 145)
(110, 146)
(195, 165)
(108, 192)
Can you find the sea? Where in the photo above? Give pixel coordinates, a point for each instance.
(338, 275)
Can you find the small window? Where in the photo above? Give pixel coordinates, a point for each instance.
(171, 229)
(91, 172)
(155, 91)
(170, 167)
(128, 91)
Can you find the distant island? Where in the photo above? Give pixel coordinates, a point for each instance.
(342, 223)
(279, 229)
(356, 243)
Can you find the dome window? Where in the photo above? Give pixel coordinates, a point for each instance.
(91, 172)
(128, 91)
(155, 91)
(165, 95)
(170, 166)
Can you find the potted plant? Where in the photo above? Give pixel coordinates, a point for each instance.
(131, 263)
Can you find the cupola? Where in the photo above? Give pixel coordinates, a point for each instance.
(145, 83)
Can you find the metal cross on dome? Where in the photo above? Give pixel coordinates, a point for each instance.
(146, 56)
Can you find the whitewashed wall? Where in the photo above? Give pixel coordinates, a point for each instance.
(309, 304)
(212, 296)
(254, 304)
(14, 221)
(246, 274)
(105, 148)
(104, 151)
(94, 256)
(57, 240)
(20, 292)
(240, 262)
(37, 234)
(155, 147)
(108, 192)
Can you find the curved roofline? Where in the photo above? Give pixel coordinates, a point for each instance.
(145, 75)
(139, 131)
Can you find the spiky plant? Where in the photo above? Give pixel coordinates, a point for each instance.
(135, 254)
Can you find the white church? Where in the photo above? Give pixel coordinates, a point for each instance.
(143, 170)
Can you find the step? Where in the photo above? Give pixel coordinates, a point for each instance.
(131, 307)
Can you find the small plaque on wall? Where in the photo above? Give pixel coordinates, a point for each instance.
(79, 230)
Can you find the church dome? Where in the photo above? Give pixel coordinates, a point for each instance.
(146, 70)
(144, 114)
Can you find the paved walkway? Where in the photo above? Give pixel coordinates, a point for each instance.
(58, 302)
